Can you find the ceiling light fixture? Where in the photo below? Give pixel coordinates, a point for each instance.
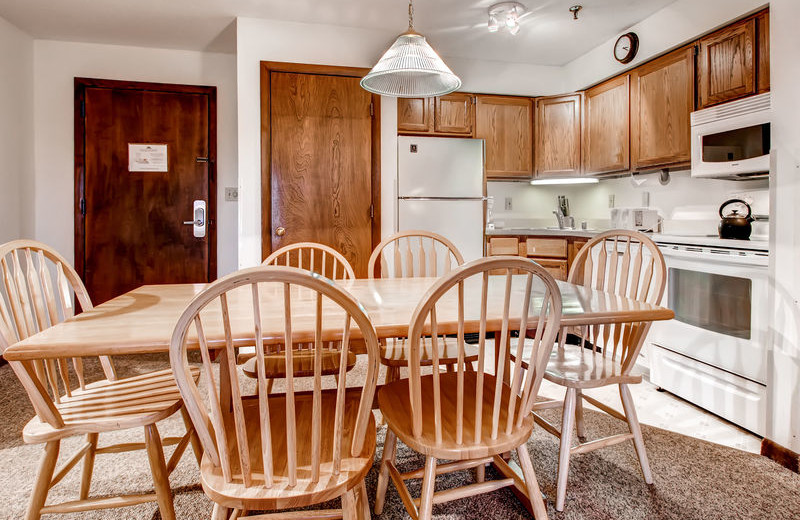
(410, 68)
(575, 9)
(505, 14)
(565, 180)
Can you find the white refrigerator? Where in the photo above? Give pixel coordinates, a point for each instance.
(441, 187)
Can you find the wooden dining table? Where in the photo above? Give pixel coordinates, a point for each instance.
(141, 321)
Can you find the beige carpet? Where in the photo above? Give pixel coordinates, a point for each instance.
(694, 479)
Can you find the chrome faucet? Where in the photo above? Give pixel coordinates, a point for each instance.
(564, 221)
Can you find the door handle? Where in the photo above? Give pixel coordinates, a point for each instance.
(280, 231)
(199, 222)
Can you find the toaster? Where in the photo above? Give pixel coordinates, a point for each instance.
(636, 219)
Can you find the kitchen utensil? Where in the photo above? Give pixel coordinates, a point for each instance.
(735, 224)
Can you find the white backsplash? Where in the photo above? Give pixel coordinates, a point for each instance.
(533, 206)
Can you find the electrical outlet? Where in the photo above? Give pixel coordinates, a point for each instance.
(611, 200)
(231, 194)
(508, 204)
(645, 199)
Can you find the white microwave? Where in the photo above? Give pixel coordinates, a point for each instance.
(732, 140)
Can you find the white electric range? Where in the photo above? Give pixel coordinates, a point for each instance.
(713, 353)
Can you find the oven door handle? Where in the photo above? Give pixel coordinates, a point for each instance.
(724, 258)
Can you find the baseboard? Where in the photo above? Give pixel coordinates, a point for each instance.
(783, 456)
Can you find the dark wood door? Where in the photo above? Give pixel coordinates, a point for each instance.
(558, 136)
(130, 226)
(321, 157)
(727, 64)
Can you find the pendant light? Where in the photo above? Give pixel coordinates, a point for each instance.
(410, 68)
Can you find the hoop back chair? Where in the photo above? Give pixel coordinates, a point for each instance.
(621, 263)
(276, 451)
(472, 417)
(412, 254)
(40, 289)
(328, 262)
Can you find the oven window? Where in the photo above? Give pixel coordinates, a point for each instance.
(711, 301)
(737, 144)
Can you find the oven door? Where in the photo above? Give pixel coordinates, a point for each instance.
(720, 304)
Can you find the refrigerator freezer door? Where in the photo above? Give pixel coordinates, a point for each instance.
(439, 167)
(460, 221)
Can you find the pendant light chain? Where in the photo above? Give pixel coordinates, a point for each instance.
(410, 15)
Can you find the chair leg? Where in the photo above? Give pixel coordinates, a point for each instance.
(43, 477)
(636, 430)
(579, 424)
(567, 418)
(362, 501)
(389, 450)
(155, 453)
(534, 492)
(220, 512)
(428, 486)
(349, 509)
(197, 447)
(480, 473)
(88, 465)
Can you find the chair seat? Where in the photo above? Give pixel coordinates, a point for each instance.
(395, 405)
(302, 364)
(281, 495)
(397, 353)
(577, 367)
(112, 405)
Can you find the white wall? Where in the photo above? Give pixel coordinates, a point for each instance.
(670, 27)
(270, 40)
(784, 376)
(16, 132)
(56, 64)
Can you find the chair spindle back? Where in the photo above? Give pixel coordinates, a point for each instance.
(623, 263)
(529, 300)
(232, 312)
(411, 254)
(317, 258)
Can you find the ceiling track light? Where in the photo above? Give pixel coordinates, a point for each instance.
(505, 15)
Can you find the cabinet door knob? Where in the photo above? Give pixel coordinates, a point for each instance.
(280, 231)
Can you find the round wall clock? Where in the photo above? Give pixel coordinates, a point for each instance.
(626, 47)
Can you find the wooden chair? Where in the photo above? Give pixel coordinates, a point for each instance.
(411, 254)
(328, 262)
(40, 289)
(471, 418)
(624, 263)
(271, 452)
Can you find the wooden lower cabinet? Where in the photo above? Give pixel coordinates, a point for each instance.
(554, 253)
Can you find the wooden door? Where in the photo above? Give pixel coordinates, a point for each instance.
(558, 136)
(662, 99)
(453, 114)
(129, 225)
(415, 115)
(506, 124)
(606, 130)
(762, 61)
(321, 165)
(726, 64)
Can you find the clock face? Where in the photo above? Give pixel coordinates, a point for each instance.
(626, 47)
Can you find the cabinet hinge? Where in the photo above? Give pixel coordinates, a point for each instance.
(83, 108)
(371, 109)
(371, 211)
(82, 206)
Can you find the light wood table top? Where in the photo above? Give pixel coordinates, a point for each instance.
(142, 320)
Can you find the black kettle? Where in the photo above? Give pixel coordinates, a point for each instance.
(734, 223)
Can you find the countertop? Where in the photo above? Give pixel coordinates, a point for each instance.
(543, 232)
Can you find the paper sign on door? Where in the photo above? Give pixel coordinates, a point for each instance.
(147, 157)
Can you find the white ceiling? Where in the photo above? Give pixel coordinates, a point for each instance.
(456, 28)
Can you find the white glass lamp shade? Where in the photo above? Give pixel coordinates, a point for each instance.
(410, 68)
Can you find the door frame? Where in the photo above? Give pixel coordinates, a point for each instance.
(268, 67)
(81, 84)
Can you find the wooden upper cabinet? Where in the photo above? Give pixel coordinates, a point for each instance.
(762, 62)
(606, 127)
(727, 64)
(454, 114)
(558, 136)
(662, 97)
(506, 124)
(414, 115)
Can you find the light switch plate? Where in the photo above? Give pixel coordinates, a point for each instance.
(508, 204)
(231, 194)
(611, 200)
